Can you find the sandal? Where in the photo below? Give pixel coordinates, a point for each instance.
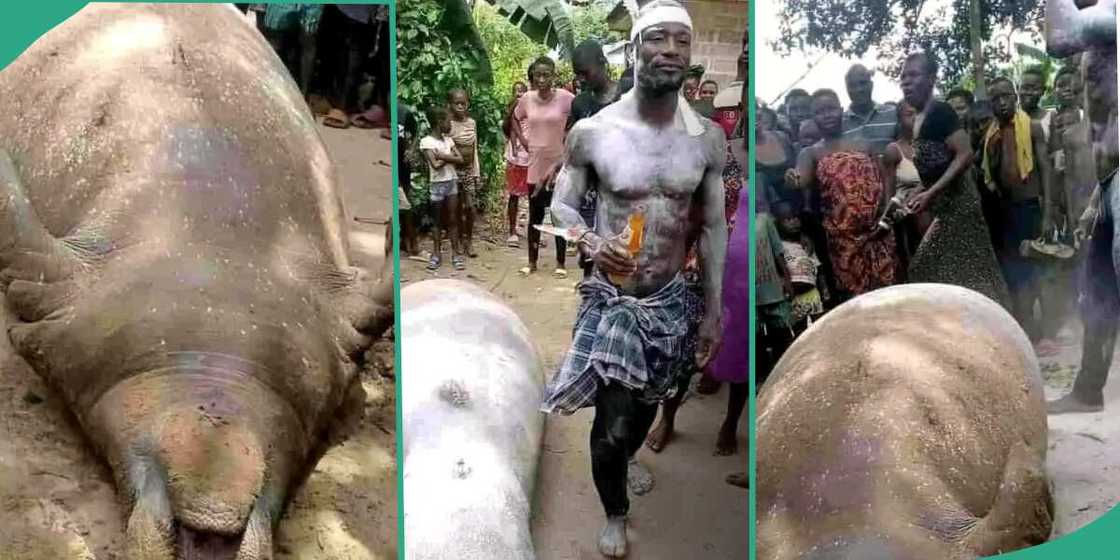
(433, 263)
(513, 241)
(457, 262)
(560, 273)
(336, 119)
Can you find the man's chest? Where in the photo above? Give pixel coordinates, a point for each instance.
(631, 164)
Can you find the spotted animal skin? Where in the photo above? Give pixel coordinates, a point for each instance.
(472, 424)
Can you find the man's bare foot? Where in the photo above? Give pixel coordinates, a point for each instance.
(612, 539)
(1071, 404)
(638, 477)
(740, 479)
(726, 443)
(660, 435)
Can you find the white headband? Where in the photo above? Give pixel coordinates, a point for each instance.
(659, 15)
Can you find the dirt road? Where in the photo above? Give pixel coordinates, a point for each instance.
(1084, 458)
(691, 512)
(58, 502)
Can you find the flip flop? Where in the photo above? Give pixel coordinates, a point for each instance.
(513, 241)
(336, 119)
(368, 119)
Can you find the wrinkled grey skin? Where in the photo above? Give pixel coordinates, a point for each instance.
(908, 423)
(173, 244)
(472, 428)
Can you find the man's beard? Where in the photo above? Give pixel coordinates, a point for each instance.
(658, 83)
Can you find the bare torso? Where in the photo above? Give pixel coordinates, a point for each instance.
(663, 173)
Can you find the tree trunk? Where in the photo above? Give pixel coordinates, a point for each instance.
(974, 30)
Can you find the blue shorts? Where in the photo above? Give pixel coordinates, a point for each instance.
(439, 191)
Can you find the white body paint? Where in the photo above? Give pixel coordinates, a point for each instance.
(472, 383)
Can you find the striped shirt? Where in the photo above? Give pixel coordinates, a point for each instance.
(876, 127)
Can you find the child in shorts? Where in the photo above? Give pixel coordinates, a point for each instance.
(809, 288)
(439, 151)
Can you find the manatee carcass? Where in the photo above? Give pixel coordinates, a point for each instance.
(908, 423)
(173, 244)
(471, 392)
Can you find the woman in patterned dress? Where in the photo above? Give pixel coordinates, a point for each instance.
(851, 187)
(956, 248)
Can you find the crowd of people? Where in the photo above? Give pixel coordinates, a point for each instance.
(986, 194)
(336, 53)
(538, 117)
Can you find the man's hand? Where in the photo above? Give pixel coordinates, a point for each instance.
(609, 255)
(707, 340)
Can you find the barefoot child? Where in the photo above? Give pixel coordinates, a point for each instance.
(464, 132)
(442, 157)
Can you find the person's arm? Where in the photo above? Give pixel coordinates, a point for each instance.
(572, 184)
(712, 245)
(1045, 170)
(519, 115)
(452, 156)
(802, 175)
(433, 158)
(1070, 30)
(891, 158)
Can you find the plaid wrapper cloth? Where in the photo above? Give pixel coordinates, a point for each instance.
(645, 344)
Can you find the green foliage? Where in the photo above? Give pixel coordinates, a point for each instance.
(509, 49)
(545, 21)
(896, 27)
(434, 56)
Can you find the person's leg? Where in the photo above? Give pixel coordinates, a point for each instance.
(612, 431)
(437, 205)
(452, 221)
(511, 214)
(536, 217)
(559, 242)
(1099, 312)
(662, 433)
(727, 442)
(307, 43)
(466, 215)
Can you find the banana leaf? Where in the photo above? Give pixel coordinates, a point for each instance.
(547, 22)
(460, 27)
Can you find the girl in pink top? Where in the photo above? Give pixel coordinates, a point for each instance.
(544, 113)
(517, 164)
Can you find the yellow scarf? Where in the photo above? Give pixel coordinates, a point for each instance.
(1023, 146)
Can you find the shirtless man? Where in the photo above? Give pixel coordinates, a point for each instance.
(646, 154)
(1025, 194)
(1089, 27)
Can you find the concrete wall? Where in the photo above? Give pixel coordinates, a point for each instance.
(718, 27)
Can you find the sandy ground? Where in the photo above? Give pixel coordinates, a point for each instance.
(1084, 458)
(691, 513)
(57, 499)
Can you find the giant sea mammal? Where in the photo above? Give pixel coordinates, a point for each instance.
(907, 424)
(173, 244)
(472, 387)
